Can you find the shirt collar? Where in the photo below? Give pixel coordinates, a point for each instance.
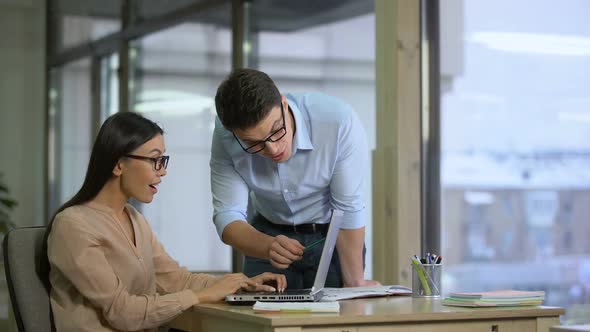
(108, 209)
(302, 139)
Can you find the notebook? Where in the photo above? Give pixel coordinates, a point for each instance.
(500, 298)
(313, 294)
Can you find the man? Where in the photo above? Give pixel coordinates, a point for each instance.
(284, 162)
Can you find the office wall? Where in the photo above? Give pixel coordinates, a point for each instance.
(22, 116)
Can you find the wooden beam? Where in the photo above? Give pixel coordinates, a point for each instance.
(396, 160)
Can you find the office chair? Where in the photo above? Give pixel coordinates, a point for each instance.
(28, 288)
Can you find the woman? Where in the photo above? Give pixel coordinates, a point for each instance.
(108, 270)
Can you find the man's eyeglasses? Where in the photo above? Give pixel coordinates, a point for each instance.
(158, 162)
(274, 137)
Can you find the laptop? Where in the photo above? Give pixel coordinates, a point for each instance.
(313, 294)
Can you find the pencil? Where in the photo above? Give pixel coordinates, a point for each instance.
(313, 244)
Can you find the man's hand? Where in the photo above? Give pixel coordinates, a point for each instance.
(283, 251)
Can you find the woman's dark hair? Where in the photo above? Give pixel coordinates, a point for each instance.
(119, 135)
(245, 97)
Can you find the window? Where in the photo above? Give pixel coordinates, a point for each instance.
(69, 130)
(79, 22)
(336, 58)
(176, 76)
(515, 148)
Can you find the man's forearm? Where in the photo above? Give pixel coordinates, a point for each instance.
(350, 245)
(247, 239)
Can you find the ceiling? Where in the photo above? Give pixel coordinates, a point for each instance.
(267, 15)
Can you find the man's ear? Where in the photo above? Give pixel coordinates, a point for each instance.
(118, 169)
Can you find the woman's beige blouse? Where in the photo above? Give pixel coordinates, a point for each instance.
(102, 281)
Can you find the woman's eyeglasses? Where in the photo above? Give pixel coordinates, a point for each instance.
(158, 162)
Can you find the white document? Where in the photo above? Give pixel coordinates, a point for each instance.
(336, 294)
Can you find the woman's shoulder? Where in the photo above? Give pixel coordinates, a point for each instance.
(70, 213)
(76, 217)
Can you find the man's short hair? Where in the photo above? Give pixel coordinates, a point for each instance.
(245, 97)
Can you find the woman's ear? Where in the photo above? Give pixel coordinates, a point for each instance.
(118, 169)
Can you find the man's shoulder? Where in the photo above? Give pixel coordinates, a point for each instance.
(317, 99)
(322, 108)
(220, 133)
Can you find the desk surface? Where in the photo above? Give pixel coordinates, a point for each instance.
(570, 328)
(392, 309)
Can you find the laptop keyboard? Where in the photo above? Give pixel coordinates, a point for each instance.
(286, 292)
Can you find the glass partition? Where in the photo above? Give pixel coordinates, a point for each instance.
(336, 58)
(72, 131)
(515, 148)
(177, 72)
(81, 22)
(109, 88)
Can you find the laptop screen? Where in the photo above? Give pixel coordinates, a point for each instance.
(329, 246)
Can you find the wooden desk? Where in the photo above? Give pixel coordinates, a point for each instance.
(395, 314)
(570, 328)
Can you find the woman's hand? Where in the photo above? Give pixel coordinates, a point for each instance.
(226, 285)
(266, 281)
(283, 251)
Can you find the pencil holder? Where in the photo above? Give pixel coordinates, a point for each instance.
(426, 280)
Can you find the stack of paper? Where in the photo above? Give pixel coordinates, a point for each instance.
(337, 294)
(296, 307)
(501, 298)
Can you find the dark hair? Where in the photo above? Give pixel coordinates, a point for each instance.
(245, 97)
(119, 135)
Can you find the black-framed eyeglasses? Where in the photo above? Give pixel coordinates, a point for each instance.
(158, 162)
(274, 137)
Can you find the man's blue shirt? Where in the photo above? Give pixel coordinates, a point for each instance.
(325, 171)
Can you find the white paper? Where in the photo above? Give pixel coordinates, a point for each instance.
(336, 294)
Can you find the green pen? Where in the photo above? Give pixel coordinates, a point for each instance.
(313, 244)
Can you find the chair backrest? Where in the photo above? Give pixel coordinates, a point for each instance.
(28, 288)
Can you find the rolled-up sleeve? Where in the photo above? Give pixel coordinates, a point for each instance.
(346, 186)
(229, 191)
(76, 252)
